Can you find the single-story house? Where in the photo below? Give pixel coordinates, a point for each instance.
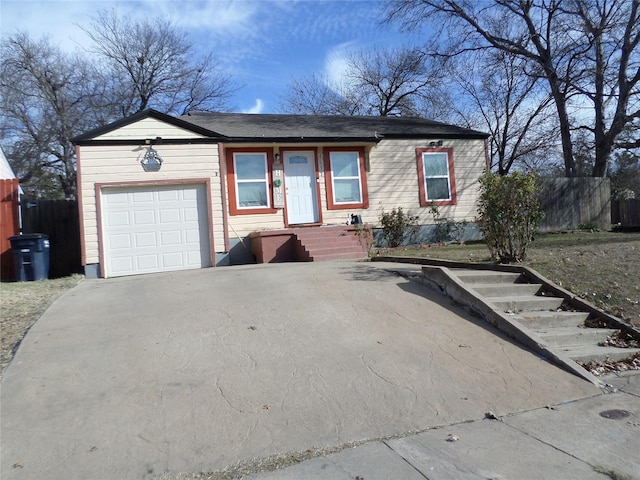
(158, 192)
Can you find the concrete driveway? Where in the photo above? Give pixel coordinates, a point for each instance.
(133, 377)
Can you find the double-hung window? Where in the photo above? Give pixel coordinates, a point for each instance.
(249, 181)
(345, 178)
(436, 176)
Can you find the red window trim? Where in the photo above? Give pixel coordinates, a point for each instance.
(231, 182)
(424, 202)
(329, 179)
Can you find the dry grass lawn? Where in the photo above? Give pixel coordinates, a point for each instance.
(602, 267)
(21, 304)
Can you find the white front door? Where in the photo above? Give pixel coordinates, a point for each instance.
(301, 190)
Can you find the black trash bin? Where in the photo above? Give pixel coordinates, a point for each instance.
(31, 255)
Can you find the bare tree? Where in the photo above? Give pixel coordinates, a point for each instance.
(507, 103)
(388, 82)
(582, 49)
(312, 95)
(391, 82)
(613, 65)
(46, 98)
(152, 64)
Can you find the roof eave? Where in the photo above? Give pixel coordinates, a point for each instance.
(448, 136)
(300, 139)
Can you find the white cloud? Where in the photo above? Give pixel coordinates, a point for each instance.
(216, 16)
(258, 107)
(60, 19)
(335, 63)
(55, 19)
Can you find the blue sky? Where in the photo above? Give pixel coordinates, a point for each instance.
(261, 44)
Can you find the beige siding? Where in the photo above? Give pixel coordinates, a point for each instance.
(109, 164)
(148, 128)
(243, 225)
(393, 181)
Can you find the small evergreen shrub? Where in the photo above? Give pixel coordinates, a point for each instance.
(509, 214)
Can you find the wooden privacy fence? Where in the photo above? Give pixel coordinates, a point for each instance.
(59, 220)
(569, 203)
(9, 225)
(625, 213)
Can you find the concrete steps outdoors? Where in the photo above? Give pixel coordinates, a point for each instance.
(543, 314)
(328, 243)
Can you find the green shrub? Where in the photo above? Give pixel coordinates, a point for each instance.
(588, 226)
(509, 213)
(397, 226)
(446, 229)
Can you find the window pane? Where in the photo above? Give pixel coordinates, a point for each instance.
(250, 166)
(347, 191)
(252, 194)
(345, 164)
(435, 164)
(437, 189)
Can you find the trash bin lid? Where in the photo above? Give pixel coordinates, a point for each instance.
(29, 236)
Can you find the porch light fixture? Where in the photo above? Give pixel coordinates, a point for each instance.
(277, 158)
(436, 144)
(151, 160)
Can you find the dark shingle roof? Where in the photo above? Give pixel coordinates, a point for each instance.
(252, 127)
(243, 127)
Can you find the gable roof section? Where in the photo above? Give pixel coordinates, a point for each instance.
(92, 135)
(268, 127)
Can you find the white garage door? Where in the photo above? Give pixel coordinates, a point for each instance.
(155, 229)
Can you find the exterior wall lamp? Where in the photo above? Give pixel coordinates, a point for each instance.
(151, 160)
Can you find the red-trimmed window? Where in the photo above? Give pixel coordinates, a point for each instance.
(437, 182)
(249, 179)
(346, 178)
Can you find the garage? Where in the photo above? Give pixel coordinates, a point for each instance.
(159, 228)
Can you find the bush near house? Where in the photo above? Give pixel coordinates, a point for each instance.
(508, 214)
(397, 226)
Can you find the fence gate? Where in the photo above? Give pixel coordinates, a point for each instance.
(59, 220)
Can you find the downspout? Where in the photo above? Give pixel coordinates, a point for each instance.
(487, 160)
(223, 193)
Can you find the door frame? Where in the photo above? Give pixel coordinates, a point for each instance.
(282, 151)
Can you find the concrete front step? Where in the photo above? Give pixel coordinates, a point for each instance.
(536, 320)
(315, 242)
(495, 290)
(329, 243)
(567, 336)
(486, 276)
(331, 249)
(590, 353)
(525, 303)
(337, 256)
(328, 232)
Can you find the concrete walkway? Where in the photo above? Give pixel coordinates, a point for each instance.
(594, 438)
(194, 371)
